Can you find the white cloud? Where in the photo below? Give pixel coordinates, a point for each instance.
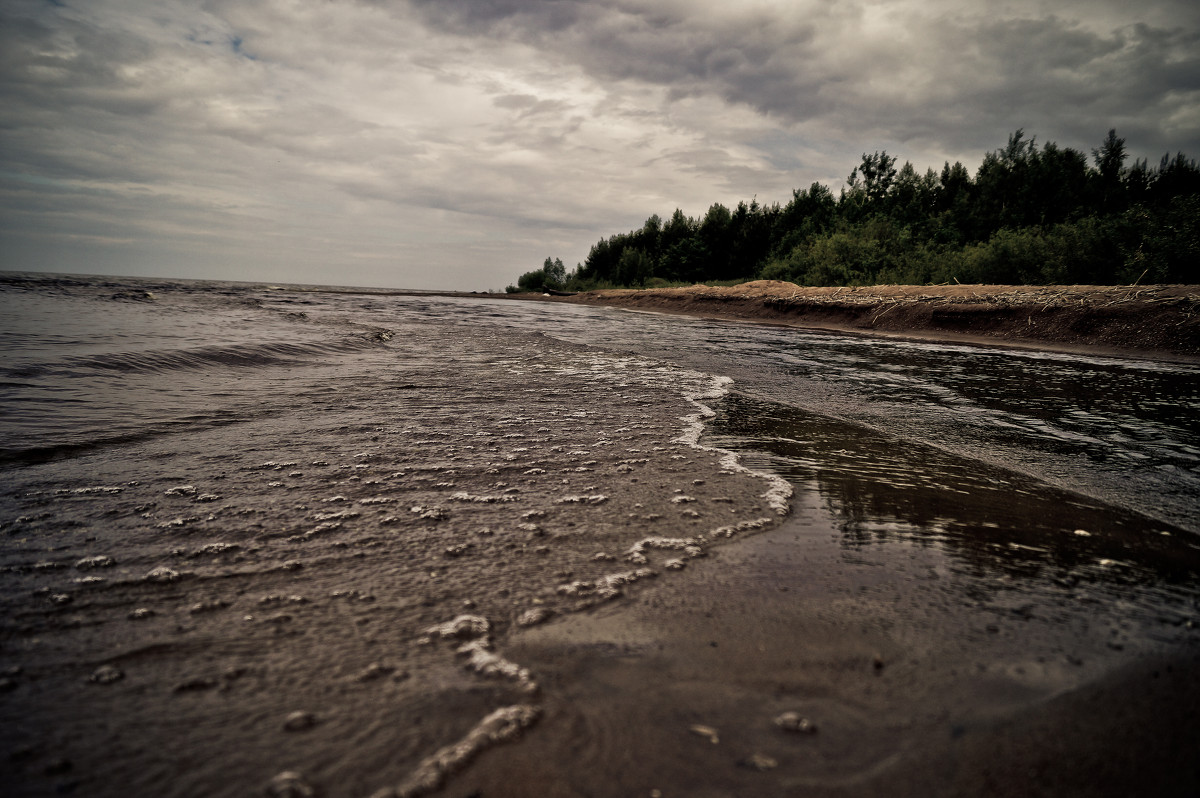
(455, 144)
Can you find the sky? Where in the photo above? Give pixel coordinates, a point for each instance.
(455, 144)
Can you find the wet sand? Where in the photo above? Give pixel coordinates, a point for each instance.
(980, 645)
(1154, 320)
(900, 691)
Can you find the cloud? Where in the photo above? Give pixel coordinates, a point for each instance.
(958, 74)
(457, 143)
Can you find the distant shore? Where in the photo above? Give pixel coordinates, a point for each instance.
(1153, 320)
(1150, 321)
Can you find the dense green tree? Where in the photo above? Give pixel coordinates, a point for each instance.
(1030, 214)
(676, 245)
(1058, 185)
(714, 234)
(751, 228)
(1168, 247)
(868, 184)
(634, 268)
(954, 186)
(555, 272)
(1110, 169)
(811, 212)
(1137, 182)
(1176, 177)
(913, 198)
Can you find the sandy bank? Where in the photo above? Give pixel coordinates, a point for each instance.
(1157, 320)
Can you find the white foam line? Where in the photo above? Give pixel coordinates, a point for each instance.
(637, 552)
(606, 587)
(485, 662)
(475, 632)
(501, 726)
(777, 495)
(779, 492)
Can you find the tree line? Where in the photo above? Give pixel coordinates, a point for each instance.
(1029, 215)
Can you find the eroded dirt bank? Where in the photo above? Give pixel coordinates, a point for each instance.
(1154, 319)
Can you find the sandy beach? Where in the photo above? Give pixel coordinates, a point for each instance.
(1157, 320)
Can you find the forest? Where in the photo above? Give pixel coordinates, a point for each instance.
(1030, 215)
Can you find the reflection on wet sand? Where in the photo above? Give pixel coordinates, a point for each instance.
(989, 522)
(945, 627)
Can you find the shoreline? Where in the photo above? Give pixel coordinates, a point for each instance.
(680, 690)
(1156, 322)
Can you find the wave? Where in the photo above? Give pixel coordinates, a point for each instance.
(92, 441)
(199, 358)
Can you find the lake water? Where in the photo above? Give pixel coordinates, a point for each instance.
(246, 527)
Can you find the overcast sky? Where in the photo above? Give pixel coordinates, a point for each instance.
(455, 144)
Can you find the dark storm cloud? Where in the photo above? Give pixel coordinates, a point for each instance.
(490, 16)
(953, 77)
(745, 57)
(69, 63)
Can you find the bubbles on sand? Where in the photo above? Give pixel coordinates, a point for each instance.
(289, 784)
(96, 561)
(595, 498)
(461, 626)
(501, 726)
(210, 605)
(106, 674)
(637, 552)
(535, 616)
(377, 670)
(463, 496)
(300, 721)
(605, 588)
(162, 574)
(481, 659)
(795, 722)
(477, 649)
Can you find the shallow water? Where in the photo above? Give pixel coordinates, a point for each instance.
(983, 520)
(236, 519)
(1122, 430)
